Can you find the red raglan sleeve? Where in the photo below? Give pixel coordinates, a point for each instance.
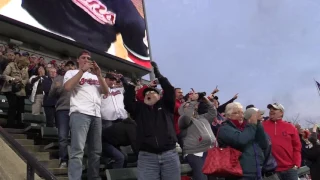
(296, 144)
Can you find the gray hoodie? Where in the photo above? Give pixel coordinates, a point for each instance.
(197, 135)
(63, 96)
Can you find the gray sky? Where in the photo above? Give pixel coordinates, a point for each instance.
(265, 50)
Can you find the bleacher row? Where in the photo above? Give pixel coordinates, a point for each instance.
(42, 142)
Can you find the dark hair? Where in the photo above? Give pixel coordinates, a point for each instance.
(84, 52)
(37, 70)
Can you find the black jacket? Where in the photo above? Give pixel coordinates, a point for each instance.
(46, 85)
(155, 129)
(121, 134)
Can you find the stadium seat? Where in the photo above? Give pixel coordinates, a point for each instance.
(49, 132)
(131, 173)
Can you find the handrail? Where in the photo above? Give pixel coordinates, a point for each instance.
(32, 163)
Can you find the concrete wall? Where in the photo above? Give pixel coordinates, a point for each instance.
(12, 167)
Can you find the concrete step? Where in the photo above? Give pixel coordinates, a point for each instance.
(19, 136)
(62, 178)
(42, 156)
(24, 142)
(59, 171)
(53, 163)
(33, 148)
(14, 131)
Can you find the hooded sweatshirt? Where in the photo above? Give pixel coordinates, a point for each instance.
(196, 130)
(286, 145)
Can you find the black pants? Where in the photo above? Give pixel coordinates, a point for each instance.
(16, 107)
(50, 116)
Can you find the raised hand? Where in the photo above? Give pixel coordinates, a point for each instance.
(96, 69)
(235, 96)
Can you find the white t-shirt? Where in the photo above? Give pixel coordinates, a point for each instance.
(85, 97)
(112, 107)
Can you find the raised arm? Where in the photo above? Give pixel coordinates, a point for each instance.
(130, 99)
(56, 87)
(235, 138)
(212, 112)
(168, 90)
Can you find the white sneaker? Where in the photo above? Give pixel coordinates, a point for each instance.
(63, 165)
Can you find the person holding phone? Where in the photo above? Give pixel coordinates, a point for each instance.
(86, 86)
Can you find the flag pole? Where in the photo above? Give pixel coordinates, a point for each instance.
(317, 86)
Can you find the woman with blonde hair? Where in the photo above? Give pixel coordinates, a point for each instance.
(16, 77)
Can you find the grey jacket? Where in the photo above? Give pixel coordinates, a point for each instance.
(196, 131)
(63, 96)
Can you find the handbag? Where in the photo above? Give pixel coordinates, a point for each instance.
(16, 87)
(222, 162)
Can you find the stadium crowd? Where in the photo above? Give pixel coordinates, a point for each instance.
(111, 111)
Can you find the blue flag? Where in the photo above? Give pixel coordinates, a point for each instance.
(318, 85)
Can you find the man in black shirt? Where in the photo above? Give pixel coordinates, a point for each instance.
(156, 137)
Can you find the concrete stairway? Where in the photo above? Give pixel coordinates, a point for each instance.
(49, 158)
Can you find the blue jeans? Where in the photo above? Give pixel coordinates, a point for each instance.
(290, 174)
(114, 153)
(164, 166)
(110, 151)
(63, 119)
(196, 164)
(84, 128)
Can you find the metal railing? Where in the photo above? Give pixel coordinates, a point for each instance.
(32, 163)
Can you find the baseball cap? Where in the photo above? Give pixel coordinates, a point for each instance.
(149, 89)
(276, 106)
(110, 76)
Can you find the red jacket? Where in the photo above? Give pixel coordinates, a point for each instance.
(286, 145)
(176, 116)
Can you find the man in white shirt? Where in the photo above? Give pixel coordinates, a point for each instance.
(86, 86)
(112, 111)
(112, 107)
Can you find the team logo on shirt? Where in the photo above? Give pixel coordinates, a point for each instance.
(114, 93)
(89, 81)
(97, 11)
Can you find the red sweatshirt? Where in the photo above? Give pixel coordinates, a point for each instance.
(176, 116)
(286, 145)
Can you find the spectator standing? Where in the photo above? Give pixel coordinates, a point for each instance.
(286, 145)
(37, 93)
(313, 154)
(113, 112)
(62, 112)
(196, 134)
(86, 86)
(156, 137)
(178, 102)
(15, 73)
(245, 136)
(48, 102)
